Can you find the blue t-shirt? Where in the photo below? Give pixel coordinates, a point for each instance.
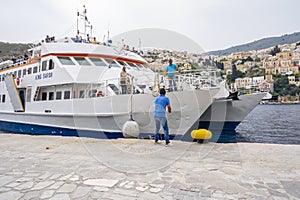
(171, 70)
(161, 103)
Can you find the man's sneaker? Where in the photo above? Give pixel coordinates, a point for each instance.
(168, 144)
(156, 142)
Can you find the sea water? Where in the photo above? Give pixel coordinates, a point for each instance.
(278, 124)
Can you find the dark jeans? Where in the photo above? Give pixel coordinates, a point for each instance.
(161, 121)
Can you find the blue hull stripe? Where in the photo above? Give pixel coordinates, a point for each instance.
(15, 127)
(224, 135)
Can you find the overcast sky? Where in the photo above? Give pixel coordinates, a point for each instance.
(212, 24)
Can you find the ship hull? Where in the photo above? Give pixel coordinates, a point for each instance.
(223, 116)
(104, 117)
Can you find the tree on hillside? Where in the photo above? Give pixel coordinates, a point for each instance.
(235, 74)
(255, 71)
(280, 84)
(219, 65)
(275, 50)
(282, 87)
(257, 60)
(207, 62)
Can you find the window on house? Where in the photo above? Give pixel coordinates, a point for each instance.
(29, 70)
(3, 98)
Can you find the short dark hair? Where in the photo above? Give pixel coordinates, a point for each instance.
(162, 91)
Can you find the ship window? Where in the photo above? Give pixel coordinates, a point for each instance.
(58, 95)
(92, 93)
(35, 69)
(24, 72)
(19, 73)
(112, 63)
(98, 61)
(82, 61)
(0, 77)
(3, 98)
(51, 96)
(28, 99)
(51, 64)
(15, 74)
(67, 95)
(133, 65)
(81, 94)
(65, 61)
(44, 96)
(121, 62)
(29, 70)
(44, 65)
(142, 67)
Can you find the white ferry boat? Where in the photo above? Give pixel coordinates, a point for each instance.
(225, 114)
(72, 88)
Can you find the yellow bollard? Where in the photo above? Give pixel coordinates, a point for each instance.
(201, 134)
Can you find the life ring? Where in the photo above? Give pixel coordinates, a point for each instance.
(99, 93)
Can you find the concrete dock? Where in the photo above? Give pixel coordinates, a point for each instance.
(53, 167)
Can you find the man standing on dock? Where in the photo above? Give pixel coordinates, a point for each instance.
(161, 102)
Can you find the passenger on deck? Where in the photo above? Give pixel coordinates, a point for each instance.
(14, 60)
(171, 71)
(47, 39)
(95, 41)
(25, 56)
(125, 81)
(76, 39)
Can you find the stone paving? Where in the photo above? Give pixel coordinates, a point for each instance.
(53, 167)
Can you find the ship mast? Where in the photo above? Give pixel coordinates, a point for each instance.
(82, 17)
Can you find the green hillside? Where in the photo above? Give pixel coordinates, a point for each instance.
(260, 44)
(9, 50)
